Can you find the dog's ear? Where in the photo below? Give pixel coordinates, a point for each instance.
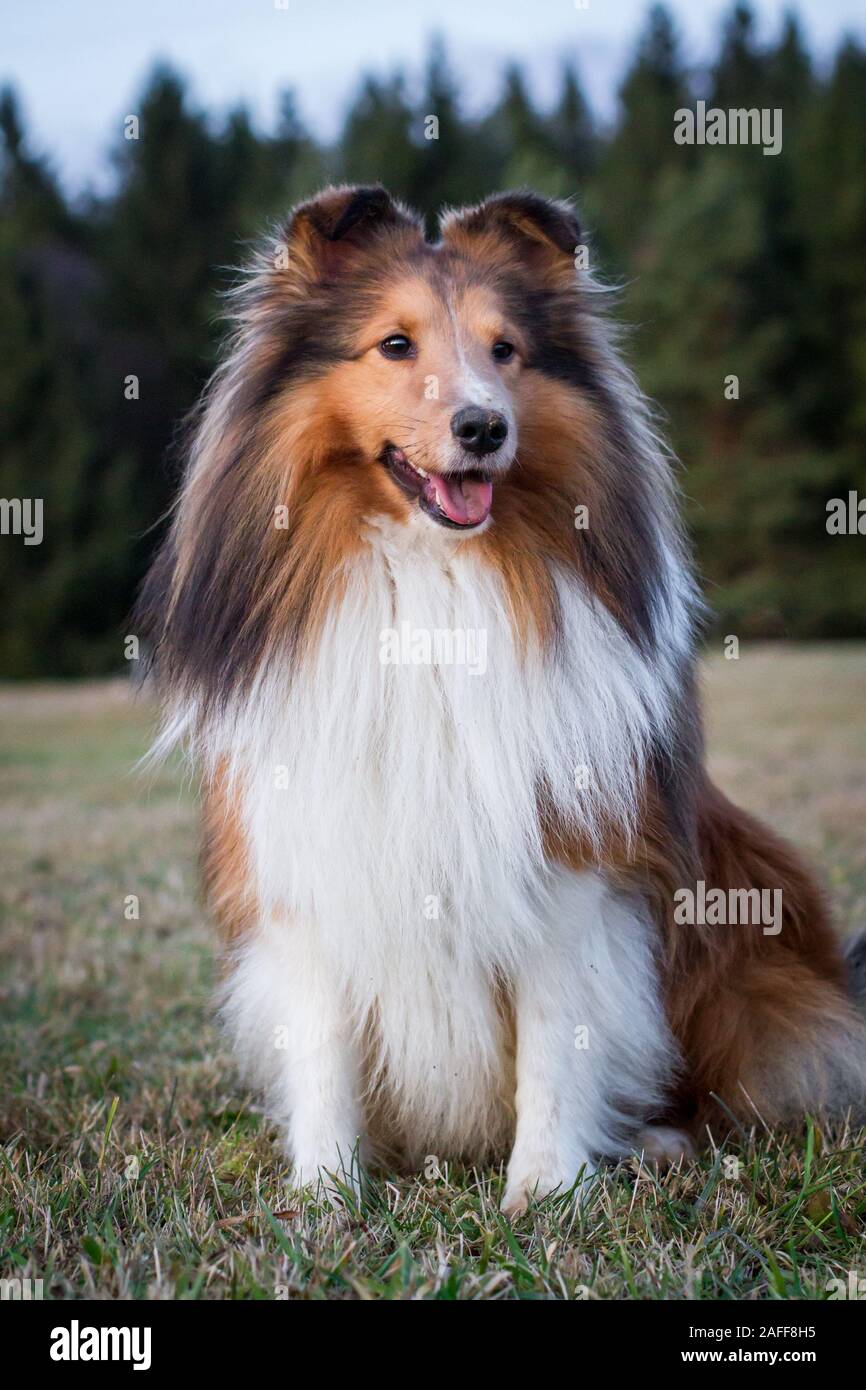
(541, 233)
(327, 233)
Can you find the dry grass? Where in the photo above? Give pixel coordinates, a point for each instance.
(135, 1166)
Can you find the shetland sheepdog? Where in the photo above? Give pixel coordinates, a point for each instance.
(449, 889)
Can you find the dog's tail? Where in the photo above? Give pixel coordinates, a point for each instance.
(770, 1015)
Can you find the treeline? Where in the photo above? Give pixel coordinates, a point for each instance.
(743, 274)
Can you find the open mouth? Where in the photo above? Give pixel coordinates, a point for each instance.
(461, 500)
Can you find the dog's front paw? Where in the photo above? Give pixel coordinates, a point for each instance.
(332, 1175)
(515, 1200)
(532, 1177)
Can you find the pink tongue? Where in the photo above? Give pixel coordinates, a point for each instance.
(464, 500)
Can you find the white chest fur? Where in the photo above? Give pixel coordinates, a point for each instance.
(392, 783)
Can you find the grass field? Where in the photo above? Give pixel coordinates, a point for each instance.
(134, 1165)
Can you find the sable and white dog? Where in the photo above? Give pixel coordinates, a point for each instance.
(447, 886)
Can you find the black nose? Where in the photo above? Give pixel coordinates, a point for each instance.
(479, 431)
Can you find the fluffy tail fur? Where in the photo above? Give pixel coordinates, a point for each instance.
(767, 1017)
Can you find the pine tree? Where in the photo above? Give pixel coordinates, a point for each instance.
(376, 143)
(739, 73)
(57, 594)
(526, 150)
(642, 150)
(454, 166)
(573, 131)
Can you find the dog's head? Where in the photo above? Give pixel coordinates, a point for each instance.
(410, 358)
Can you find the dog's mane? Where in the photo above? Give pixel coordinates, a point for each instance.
(230, 591)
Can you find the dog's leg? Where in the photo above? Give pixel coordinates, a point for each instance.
(593, 1049)
(550, 1144)
(291, 1029)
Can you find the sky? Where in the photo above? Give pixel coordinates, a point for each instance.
(77, 65)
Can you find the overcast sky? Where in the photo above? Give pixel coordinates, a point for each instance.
(78, 64)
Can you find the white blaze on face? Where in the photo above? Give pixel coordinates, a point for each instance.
(478, 382)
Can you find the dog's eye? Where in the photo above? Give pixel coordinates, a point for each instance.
(398, 345)
(502, 351)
